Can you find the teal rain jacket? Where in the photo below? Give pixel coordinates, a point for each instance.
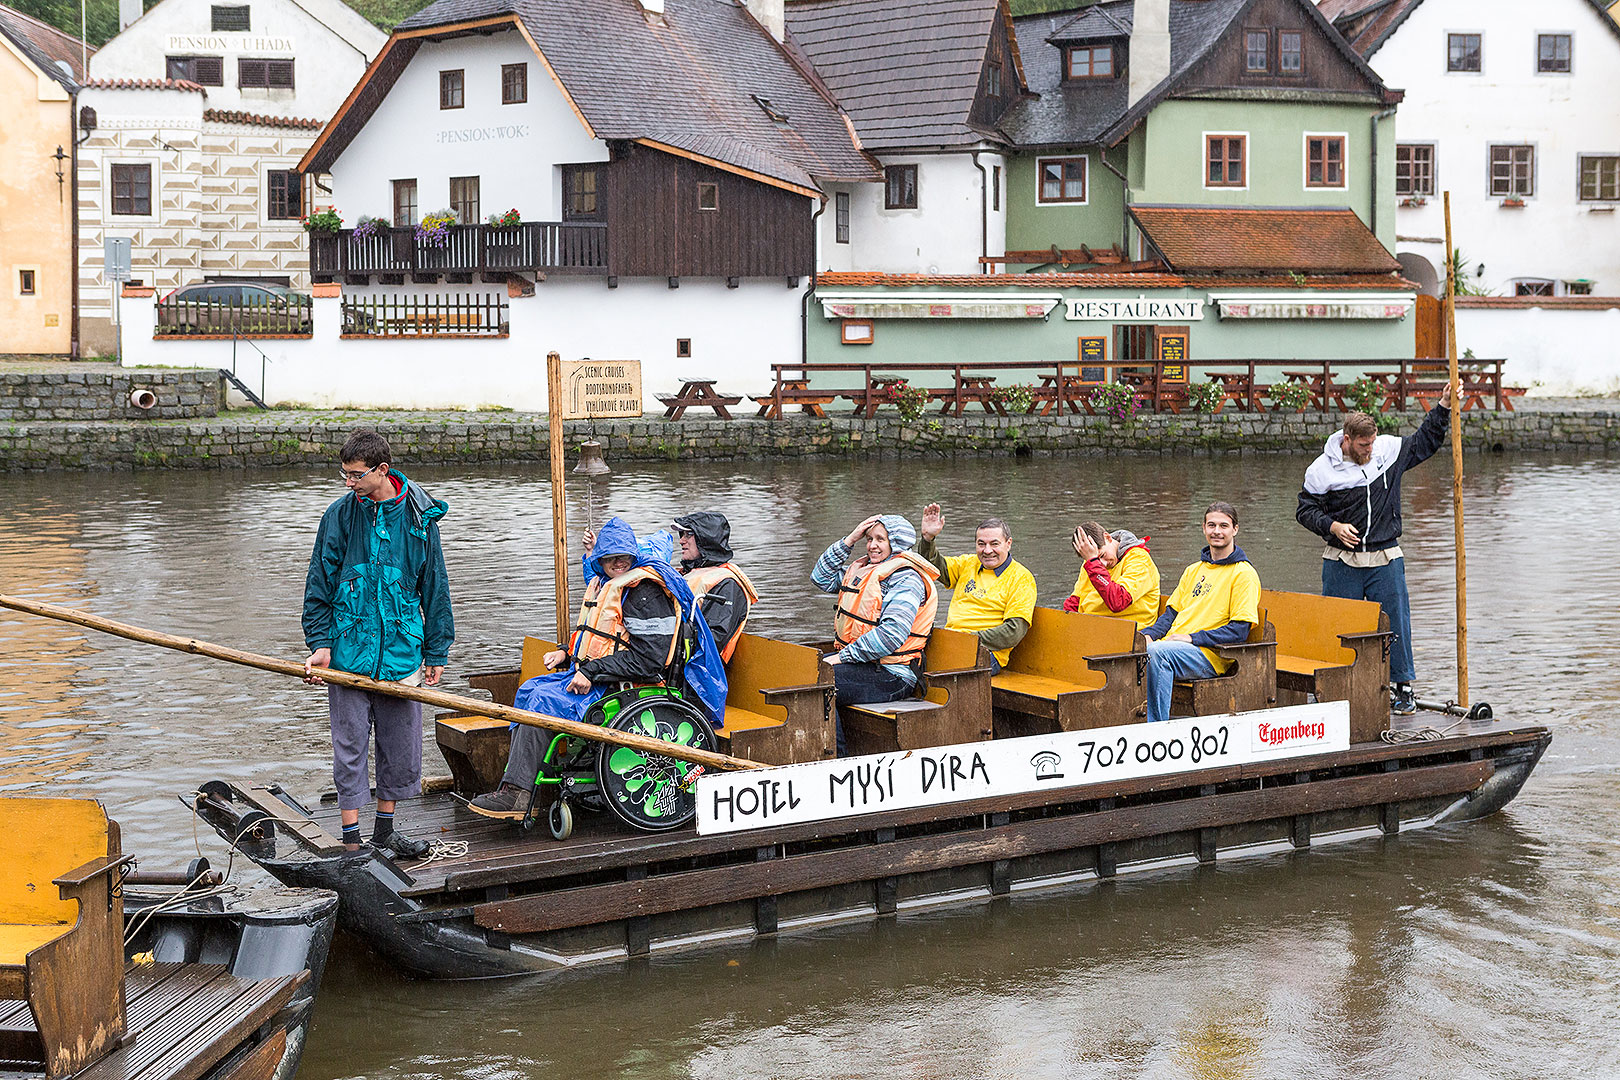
(377, 594)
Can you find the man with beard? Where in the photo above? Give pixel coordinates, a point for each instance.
(1352, 500)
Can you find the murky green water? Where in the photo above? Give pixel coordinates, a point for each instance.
(1485, 950)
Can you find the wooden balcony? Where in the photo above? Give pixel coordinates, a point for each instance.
(549, 247)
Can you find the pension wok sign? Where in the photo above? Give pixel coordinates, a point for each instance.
(849, 787)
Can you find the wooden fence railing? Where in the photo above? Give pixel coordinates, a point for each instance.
(549, 246)
(431, 315)
(255, 315)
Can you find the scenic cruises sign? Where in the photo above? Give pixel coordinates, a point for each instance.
(1139, 310)
(849, 787)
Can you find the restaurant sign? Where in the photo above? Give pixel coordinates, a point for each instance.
(850, 787)
(596, 389)
(1139, 310)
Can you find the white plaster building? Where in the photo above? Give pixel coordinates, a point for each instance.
(201, 113)
(1513, 110)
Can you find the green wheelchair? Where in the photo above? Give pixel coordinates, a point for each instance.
(649, 792)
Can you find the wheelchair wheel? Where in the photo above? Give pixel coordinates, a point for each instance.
(644, 790)
(560, 819)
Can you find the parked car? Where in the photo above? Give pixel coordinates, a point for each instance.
(224, 307)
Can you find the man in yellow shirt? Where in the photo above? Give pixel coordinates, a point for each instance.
(1119, 576)
(1216, 602)
(995, 594)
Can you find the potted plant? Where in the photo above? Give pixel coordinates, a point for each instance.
(1015, 397)
(1207, 396)
(1414, 200)
(434, 229)
(369, 227)
(1116, 400)
(1289, 395)
(1512, 202)
(322, 222)
(910, 400)
(509, 220)
(1365, 395)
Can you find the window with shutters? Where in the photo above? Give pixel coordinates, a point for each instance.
(202, 70)
(132, 190)
(255, 73)
(452, 89)
(514, 84)
(230, 18)
(1224, 160)
(1062, 180)
(284, 195)
(1324, 161)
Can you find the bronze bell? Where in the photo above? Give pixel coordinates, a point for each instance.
(590, 459)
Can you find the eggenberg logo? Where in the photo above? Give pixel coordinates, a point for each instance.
(1302, 731)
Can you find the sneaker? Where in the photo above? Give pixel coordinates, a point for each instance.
(505, 803)
(1402, 702)
(406, 847)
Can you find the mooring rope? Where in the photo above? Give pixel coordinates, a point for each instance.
(1427, 733)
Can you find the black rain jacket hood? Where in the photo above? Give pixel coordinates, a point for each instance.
(712, 532)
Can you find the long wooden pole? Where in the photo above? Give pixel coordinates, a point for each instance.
(1456, 463)
(559, 495)
(426, 695)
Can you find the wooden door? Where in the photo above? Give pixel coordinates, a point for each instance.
(1429, 328)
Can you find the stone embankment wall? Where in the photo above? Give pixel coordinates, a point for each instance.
(98, 395)
(238, 440)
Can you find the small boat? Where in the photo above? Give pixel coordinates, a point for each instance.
(1083, 791)
(114, 972)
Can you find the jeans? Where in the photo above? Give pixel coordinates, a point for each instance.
(1386, 586)
(1167, 662)
(866, 684)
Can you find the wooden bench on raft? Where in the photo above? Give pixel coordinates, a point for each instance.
(778, 703)
(1335, 649)
(61, 931)
(1071, 672)
(1249, 684)
(953, 708)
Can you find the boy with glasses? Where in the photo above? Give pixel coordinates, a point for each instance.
(377, 603)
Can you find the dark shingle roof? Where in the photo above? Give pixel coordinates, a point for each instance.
(1260, 239)
(1090, 112)
(44, 45)
(1097, 23)
(906, 71)
(691, 83)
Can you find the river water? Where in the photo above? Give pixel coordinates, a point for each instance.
(1481, 950)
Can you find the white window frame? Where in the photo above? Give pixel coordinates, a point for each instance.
(1040, 164)
(1305, 161)
(116, 220)
(284, 165)
(1203, 159)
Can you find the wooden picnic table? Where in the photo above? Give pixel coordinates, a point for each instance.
(697, 393)
(1321, 384)
(880, 390)
(1238, 387)
(790, 392)
(970, 388)
(1060, 386)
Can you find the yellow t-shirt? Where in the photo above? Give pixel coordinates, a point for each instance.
(1139, 575)
(984, 599)
(1211, 595)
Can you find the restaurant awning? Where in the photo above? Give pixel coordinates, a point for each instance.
(1312, 305)
(1020, 305)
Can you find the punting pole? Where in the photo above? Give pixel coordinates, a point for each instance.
(426, 695)
(1456, 463)
(559, 495)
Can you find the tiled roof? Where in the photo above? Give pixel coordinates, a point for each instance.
(144, 84)
(1207, 238)
(1097, 23)
(44, 45)
(236, 116)
(1096, 111)
(1111, 280)
(705, 70)
(906, 71)
(1567, 303)
(1367, 24)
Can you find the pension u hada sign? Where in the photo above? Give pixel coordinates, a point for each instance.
(850, 787)
(601, 389)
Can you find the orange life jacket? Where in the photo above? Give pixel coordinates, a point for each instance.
(704, 578)
(600, 630)
(860, 604)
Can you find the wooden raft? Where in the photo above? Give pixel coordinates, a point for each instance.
(183, 1020)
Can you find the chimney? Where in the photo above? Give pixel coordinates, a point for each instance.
(770, 16)
(128, 12)
(1149, 62)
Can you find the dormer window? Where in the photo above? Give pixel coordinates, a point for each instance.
(992, 79)
(1091, 62)
(1257, 52)
(1290, 52)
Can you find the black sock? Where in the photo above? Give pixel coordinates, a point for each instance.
(351, 833)
(384, 826)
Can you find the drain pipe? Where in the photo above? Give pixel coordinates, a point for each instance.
(984, 214)
(1124, 202)
(804, 301)
(1372, 172)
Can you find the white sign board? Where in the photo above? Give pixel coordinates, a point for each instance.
(848, 787)
(598, 389)
(115, 257)
(1139, 310)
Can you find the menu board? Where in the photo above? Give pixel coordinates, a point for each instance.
(1093, 359)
